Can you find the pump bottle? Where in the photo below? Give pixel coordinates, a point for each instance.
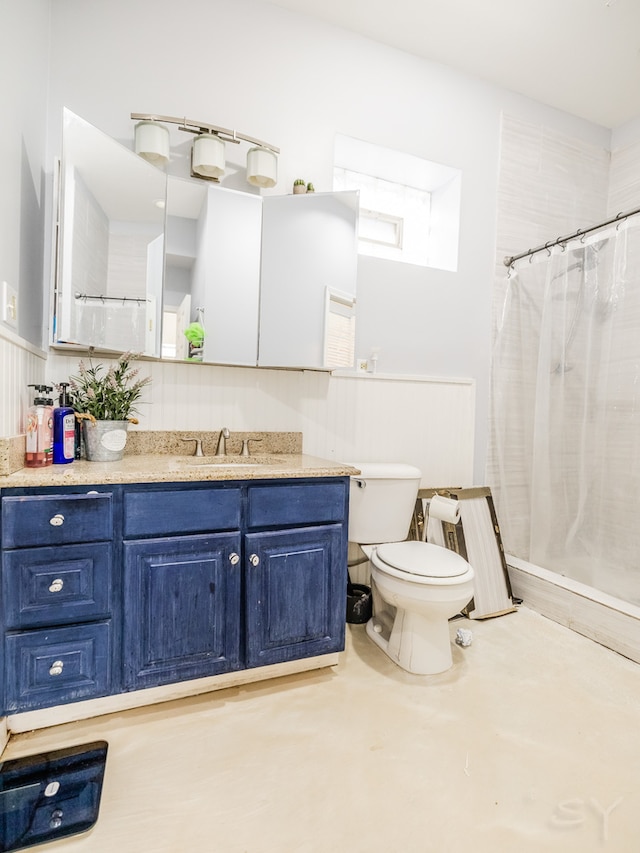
(39, 450)
(64, 429)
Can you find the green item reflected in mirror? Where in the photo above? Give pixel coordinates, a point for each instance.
(194, 333)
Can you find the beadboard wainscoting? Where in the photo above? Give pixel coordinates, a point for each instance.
(21, 365)
(424, 421)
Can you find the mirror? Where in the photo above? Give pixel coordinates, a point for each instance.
(111, 244)
(309, 271)
(212, 273)
(145, 258)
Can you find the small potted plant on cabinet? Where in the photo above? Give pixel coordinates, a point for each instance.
(299, 186)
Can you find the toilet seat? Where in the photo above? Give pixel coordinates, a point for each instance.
(421, 562)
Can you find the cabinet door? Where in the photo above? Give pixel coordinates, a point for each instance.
(182, 608)
(295, 593)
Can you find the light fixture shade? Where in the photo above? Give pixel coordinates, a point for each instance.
(262, 167)
(208, 156)
(152, 142)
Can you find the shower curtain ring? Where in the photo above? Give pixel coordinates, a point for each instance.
(546, 245)
(623, 218)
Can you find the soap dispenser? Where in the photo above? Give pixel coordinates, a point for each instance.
(64, 429)
(39, 450)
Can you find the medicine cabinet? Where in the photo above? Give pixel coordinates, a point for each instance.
(138, 248)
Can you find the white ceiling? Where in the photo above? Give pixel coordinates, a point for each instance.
(581, 56)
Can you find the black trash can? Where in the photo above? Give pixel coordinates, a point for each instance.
(358, 603)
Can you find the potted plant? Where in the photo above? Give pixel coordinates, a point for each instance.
(310, 188)
(299, 186)
(104, 400)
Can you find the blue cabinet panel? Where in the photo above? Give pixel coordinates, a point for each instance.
(49, 586)
(56, 666)
(182, 608)
(178, 511)
(56, 519)
(295, 593)
(277, 505)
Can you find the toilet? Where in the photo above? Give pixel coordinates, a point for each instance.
(416, 586)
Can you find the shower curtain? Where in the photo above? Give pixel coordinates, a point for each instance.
(565, 449)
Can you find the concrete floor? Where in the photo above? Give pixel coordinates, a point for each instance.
(529, 743)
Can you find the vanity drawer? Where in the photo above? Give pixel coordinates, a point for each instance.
(56, 519)
(303, 503)
(51, 667)
(45, 586)
(169, 512)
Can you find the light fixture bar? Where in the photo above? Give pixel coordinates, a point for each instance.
(199, 127)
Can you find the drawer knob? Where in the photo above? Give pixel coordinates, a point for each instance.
(57, 520)
(56, 668)
(56, 585)
(254, 559)
(234, 559)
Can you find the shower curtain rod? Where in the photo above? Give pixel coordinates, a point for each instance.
(510, 260)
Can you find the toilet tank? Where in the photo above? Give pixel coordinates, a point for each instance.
(381, 502)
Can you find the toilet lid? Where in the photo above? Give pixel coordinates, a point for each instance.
(423, 558)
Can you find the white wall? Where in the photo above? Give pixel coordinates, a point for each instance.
(23, 107)
(295, 82)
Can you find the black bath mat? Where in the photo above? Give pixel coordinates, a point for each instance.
(51, 795)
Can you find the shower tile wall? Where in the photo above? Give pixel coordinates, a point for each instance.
(624, 181)
(549, 185)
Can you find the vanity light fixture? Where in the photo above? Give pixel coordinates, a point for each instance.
(152, 142)
(207, 156)
(262, 167)
(208, 150)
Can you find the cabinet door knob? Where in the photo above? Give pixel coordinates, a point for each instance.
(57, 520)
(254, 559)
(56, 585)
(234, 559)
(56, 668)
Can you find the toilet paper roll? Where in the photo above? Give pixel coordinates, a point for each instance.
(444, 509)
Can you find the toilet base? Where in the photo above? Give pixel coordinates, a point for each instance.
(416, 644)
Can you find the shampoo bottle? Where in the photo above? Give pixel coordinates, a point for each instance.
(40, 429)
(64, 429)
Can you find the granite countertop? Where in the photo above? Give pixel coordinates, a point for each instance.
(162, 457)
(167, 468)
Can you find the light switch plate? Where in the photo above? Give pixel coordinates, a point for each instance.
(9, 305)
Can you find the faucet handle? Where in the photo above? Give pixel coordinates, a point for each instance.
(245, 446)
(198, 448)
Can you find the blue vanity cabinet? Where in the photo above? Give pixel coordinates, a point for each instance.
(296, 570)
(112, 589)
(57, 597)
(181, 588)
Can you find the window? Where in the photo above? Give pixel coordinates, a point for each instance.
(409, 207)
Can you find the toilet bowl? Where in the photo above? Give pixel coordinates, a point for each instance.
(416, 586)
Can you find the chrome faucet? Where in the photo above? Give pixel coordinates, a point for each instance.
(221, 449)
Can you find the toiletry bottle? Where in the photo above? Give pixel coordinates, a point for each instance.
(39, 450)
(64, 429)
